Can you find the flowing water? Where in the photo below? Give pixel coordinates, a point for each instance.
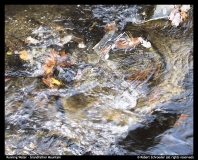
(129, 104)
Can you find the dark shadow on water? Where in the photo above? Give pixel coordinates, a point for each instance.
(141, 136)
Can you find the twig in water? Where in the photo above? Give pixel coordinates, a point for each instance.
(157, 18)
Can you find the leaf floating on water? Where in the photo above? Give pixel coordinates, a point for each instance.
(55, 81)
(50, 82)
(134, 42)
(180, 120)
(122, 43)
(50, 64)
(47, 81)
(48, 68)
(9, 53)
(24, 55)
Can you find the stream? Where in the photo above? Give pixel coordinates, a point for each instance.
(137, 102)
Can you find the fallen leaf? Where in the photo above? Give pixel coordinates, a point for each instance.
(122, 43)
(24, 55)
(48, 69)
(9, 53)
(47, 81)
(134, 42)
(55, 81)
(180, 120)
(50, 64)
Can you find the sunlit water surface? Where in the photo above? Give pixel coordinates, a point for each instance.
(126, 105)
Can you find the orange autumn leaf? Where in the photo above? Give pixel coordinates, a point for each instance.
(134, 42)
(122, 43)
(50, 64)
(47, 81)
(47, 70)
(180, 120)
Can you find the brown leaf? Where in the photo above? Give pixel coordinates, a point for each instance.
(48, 69)
(50, 64)
(122, 43)
(180, 120)
(134, 42)
(24, 55)
(48, 82)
